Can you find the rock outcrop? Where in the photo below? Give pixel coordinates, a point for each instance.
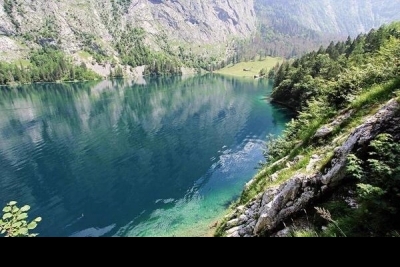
(204, 27)
(267, 211)
(330, 17)
(209, 24)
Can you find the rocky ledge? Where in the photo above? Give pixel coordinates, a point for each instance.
(264, 214)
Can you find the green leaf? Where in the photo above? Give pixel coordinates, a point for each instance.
(12, 203)
(7, 209)
(22, 231)
(3, 231)
(22, 216)
(38, 219)
(7, 216)
(17, 225)
(25, 208)
(15, 209)
(32, 225)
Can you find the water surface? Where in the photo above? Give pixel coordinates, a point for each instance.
(156, 157)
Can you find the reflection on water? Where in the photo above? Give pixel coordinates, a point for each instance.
(159, 157)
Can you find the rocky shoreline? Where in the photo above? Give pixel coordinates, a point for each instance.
(265, 213)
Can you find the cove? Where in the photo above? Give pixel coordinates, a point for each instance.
(151, 157)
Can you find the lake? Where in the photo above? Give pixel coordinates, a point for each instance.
(152, 157)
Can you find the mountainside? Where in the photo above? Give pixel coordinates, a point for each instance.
(335, 170)
(337, 17)
(290, 28)
(99, 26)
(168, 34)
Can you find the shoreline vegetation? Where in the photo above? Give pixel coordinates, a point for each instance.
(245, 69)
(354, 77)
(340, 89)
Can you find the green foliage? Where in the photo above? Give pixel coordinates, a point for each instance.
(354, 166)
(263, 72)
(47, 65)
(124, 3)
(325, 214)
(367, 192)
(195, 60)
(357, 75)
(132, 49)
(299, 131)
(304, 233)
(8, 8)
(277, 37)
(14, 221)
(163, 65)
(135, 52)
(378, 188)
(331, 82)
(317, 92)
(250, 68)
(271, 74)
(340, 71)
(118, 73)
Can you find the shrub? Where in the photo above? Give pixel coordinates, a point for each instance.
(14, 221)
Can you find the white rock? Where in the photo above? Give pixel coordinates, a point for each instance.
(232, 223)
(243, 218)
(235, 234)
(232, 230)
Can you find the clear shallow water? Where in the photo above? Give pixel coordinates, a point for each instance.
(161, 157)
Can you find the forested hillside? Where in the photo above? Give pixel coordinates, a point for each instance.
(290, 28)
(337, 163)
(113, 38)
(107, 35)
(336, 73)
(45, 65)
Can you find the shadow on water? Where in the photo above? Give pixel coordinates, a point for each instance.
(229, 202)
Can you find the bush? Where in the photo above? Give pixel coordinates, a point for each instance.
(13, 222)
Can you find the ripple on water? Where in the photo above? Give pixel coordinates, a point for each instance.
(163, 159)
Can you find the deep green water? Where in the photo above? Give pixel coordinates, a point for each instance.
(162, 157)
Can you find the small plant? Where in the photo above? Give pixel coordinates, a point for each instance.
(354, 167)
(13, 222)
(325, 214)
(304, 233)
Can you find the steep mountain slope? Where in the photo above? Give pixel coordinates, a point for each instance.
(290, 27)
(100, 25)
(338, 17)
(342, 146)
(204, 34)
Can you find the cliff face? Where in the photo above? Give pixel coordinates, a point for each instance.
(203, 28)
(333, 17)
(72, 24)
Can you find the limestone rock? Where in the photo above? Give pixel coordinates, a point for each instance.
(233, 230)
(313, 162)
(328, 129)
(323, 131)
(232, 223)
(279, 203)
(98, 23)
(243, 218)
(283, 233)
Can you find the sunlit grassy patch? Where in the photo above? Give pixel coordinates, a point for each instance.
(252, 67)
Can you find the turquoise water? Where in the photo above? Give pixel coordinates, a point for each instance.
(154, 157)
